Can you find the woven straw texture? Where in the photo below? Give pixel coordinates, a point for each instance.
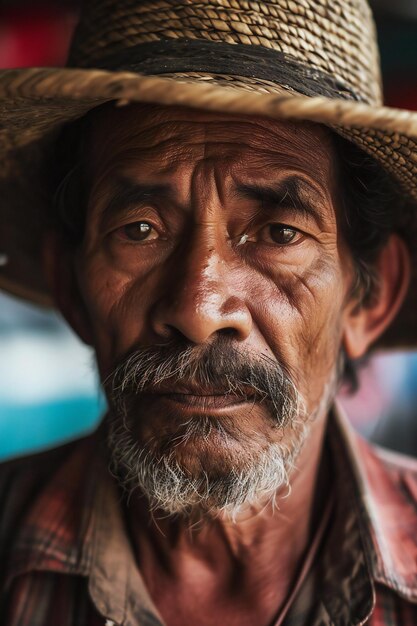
(299, 59)
(335, 36)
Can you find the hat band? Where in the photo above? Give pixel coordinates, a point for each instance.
(172, 56)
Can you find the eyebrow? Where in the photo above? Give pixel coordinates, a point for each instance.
(126, 193)
(292, 192)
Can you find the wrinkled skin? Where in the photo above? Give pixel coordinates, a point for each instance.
(214, 260)
(192, 276)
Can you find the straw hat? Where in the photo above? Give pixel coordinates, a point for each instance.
(301, 59)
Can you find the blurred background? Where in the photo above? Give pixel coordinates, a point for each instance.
(49, 390)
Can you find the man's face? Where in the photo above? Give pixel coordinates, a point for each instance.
(212, 247)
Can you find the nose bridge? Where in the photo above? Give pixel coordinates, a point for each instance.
(202, 266)
(200, 298)
(207, 187)
(199, 292)
(203, 258)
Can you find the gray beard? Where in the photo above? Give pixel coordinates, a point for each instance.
(172, 489)
(154, 470)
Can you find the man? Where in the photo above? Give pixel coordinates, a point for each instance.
(229, 265)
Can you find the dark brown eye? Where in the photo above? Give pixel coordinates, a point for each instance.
(281, 234)
(138, 231)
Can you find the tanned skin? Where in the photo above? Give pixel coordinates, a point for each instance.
(200, 182)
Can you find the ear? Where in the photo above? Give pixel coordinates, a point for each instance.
(364, 324)
(58, 264)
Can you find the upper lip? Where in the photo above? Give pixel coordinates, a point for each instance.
(200, 391)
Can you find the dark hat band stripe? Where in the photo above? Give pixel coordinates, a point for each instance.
(240, 60)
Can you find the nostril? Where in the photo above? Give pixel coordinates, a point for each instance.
(231, 333)
(176, 333)
(171, 333)
(199, 315)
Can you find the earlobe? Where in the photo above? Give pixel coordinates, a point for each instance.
(364, 324)
(60, 275)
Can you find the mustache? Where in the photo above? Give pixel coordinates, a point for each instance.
(219, 368)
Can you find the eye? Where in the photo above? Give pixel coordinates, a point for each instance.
(137, 231)
(279, 233)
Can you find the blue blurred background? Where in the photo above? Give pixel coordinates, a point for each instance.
(49, 390)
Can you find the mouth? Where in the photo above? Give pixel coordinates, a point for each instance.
(203, 400)
(206, 401)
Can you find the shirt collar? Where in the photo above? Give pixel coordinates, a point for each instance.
(76, 526)
(339, 588)
(385, 489)
(115, 584)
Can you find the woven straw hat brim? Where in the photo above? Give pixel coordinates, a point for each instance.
(36, 103)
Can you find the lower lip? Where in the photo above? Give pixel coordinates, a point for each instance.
(205, 403)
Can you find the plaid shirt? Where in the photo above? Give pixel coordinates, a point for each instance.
(66, 559)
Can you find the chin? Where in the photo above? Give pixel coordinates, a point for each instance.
(206, 440)
(205, 464)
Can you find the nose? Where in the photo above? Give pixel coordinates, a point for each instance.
(200, 299)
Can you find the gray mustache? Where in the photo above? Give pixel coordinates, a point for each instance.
(217, 368)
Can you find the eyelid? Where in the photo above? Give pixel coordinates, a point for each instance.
(286, 215)
(289, 217)
(131, 223)
(120, 234)
(299, 233)
(255, 235)
(130, 215)
(256, 228)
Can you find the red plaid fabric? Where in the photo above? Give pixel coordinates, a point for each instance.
(66, 559)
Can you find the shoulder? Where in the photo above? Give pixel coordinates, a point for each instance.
(395, 461)
(392, 608)
(389, 495)
(401, 470)
(22, 480)
(36, 459)
(380, 473)
(21, 472)
(30, 468)
(385, 491)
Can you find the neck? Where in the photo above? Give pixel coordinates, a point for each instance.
(259, 553)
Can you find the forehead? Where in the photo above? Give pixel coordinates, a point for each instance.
(170, 137)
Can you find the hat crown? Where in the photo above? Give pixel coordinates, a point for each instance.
(336, 37)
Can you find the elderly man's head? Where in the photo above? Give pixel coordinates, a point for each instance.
(220, 266)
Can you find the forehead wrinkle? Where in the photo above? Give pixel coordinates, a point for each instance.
(173, 119)
(181, 137)
(242, 144)
(249, 126)
(208, 189)
(123, 155)
(262, 133)
(129, 142)
(268, 135)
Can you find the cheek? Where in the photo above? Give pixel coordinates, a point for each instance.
(117, 304)
(299, 315)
